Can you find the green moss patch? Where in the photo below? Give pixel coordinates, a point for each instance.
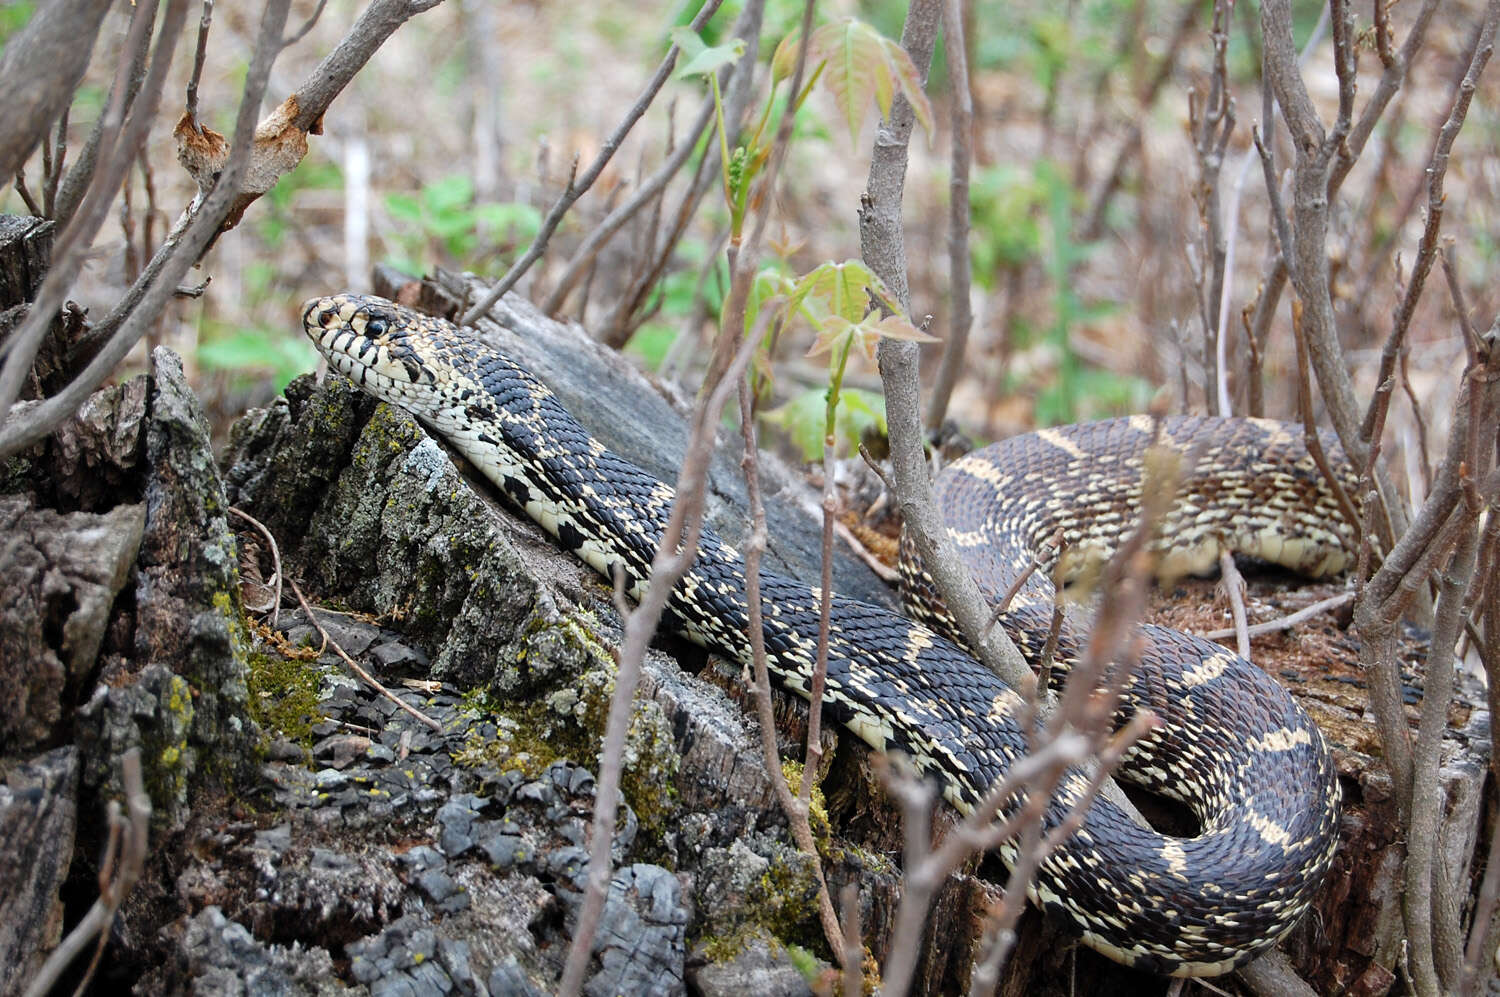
(569, 723)
(284, 695)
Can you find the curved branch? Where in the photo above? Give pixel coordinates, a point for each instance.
(39, 71)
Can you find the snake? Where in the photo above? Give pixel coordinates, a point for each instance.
(1231, 744)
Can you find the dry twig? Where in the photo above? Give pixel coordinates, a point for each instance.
(960, 157)
(355, 666)
(579, 185)
(1283, 622)
(275, 558)
(679, 546)
(796, 806)
(1234, 588)
(128, 837)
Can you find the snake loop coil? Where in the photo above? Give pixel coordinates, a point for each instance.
(1234, 746)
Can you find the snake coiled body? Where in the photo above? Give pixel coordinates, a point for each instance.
(1234, 746)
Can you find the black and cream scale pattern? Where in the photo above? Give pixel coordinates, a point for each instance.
(1233, 745)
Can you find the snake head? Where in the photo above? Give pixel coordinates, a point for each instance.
(367, 338)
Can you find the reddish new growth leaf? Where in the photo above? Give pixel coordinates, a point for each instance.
(857, 64)
(839, 299)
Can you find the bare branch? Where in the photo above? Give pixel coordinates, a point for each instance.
(1234, 588)
(1165, 68)
(1484, 910)
(1282, 75)
(646, 193)
(355, 666)
(182, 248)
(674, 556)
(1284, 622)
(959, 266)
(577, 187)
(1212, 121)
(1427, 786)
(275, 549)
(1273, 278)
(732, 351)
(853, 941)
(130, 73)
(200, 55)
(1436, 171)
(378, 22)
(1390, 83)
(793, 804)
(40, 68)
(883, 247)
(78, 233)
(134, 829)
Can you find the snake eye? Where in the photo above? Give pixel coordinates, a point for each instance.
(376, 327)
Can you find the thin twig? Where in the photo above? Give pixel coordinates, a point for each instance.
(882, 245)
(706, 174)
(1433, 975)
(648, 192)
(41, 67)
(853, 945)
(115, 335)
(882, 570)
(134, 832)
(579, 185)
(1484, 909)
(307, 25)
(1274, 278)
(1283, 622)
(1212, 120)
(25, 192)
(795, 806)
(1038, 561)
(1427, 247)
(205, 21)
(1234, 588)
(1310, 430)
(1455, 291)
(355, 666)
(959, 265)
(792, 804)
(678, 547)
(77, 235)
(275, 558)
(198, 225)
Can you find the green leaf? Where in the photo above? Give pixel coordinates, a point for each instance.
(448, 194)
(768, 284)
(520, 221)
(839, 289)
(707, 60)
(801, 418)
(258, 353)
(784, 59)
(404, 207)
(689, 45)
(909, 81)
(651, 343)
(863, 65)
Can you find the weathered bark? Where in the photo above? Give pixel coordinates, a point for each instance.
(38, 810)
(120, 627)
(62, 574)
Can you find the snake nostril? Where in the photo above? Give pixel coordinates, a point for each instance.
(309, 307)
